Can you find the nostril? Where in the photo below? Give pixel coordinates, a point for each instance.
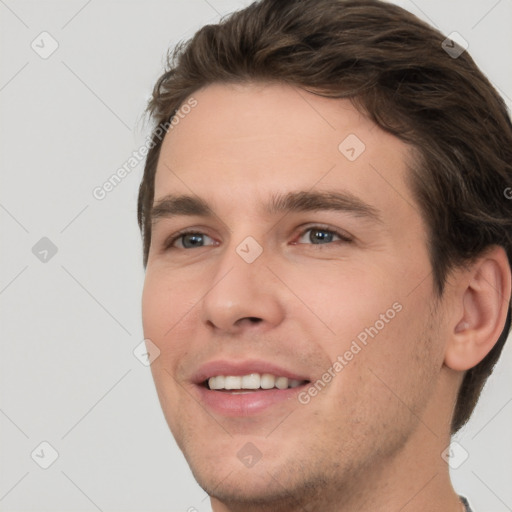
(248, 319)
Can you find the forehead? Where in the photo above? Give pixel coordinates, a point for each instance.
(253, 140)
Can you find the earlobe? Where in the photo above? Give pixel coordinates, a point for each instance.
(485, 297)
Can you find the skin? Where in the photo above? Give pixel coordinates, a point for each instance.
(372, 438)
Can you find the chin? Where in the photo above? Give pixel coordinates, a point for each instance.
(272, 481)
(244, 487)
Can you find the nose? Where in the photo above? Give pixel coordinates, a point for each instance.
(243, 296)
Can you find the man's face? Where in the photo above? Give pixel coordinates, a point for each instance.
(349, 282)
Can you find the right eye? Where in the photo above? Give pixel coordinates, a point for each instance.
(188, 240)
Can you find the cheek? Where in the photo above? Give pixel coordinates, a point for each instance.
(400, 362)
(166, 313)
(343, 298)
(368, 316)
(155, 304)
(165, 300)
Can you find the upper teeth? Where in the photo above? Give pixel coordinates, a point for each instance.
(252, 381)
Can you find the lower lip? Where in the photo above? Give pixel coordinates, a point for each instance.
(245, 404)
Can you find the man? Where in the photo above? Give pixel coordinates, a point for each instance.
(328, 240)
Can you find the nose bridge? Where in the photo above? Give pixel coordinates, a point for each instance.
(242, 287)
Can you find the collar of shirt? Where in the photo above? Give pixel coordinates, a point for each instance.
(464, 501)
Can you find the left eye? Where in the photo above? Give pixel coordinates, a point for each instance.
(319, 236)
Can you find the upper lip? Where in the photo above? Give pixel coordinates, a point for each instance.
(239, 368)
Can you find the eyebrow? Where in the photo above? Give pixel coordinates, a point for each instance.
(301, 201)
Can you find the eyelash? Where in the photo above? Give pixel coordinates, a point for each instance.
(168, 245)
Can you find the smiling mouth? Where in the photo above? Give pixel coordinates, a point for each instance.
(241, 384)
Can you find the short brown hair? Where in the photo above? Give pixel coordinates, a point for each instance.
(395, 69)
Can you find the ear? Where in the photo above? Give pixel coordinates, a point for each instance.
(482, 300)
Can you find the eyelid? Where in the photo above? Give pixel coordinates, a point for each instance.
(343, 235)
(169, 241)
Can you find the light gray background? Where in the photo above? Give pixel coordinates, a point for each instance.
(69, 325)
